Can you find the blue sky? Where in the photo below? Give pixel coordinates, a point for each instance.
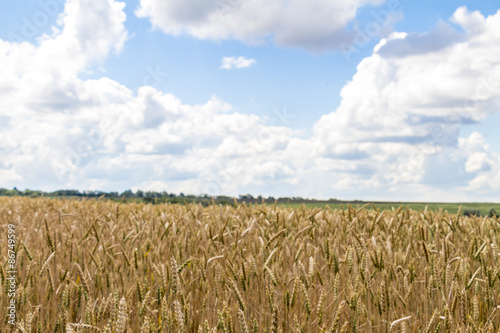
(113, 95)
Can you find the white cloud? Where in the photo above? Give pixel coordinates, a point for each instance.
(312, 24)
(395, 134)
(59, 131)
(402, 111)
(233, 62)
(478, 162)
(42, 101)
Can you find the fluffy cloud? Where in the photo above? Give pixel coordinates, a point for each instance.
(233, 62)
(42, 101)
(313, 24)
(403, 109)
(59, 131)
(395, 135)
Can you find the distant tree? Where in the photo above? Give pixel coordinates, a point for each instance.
(67, 193)
(30, 193)
(472, 212)
(127, 194)
(150, 200)
(492, 213)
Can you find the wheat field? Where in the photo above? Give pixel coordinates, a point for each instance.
(102, 266)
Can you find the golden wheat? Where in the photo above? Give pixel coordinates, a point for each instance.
(102, 266)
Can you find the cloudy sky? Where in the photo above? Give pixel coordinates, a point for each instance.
(356, 99)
